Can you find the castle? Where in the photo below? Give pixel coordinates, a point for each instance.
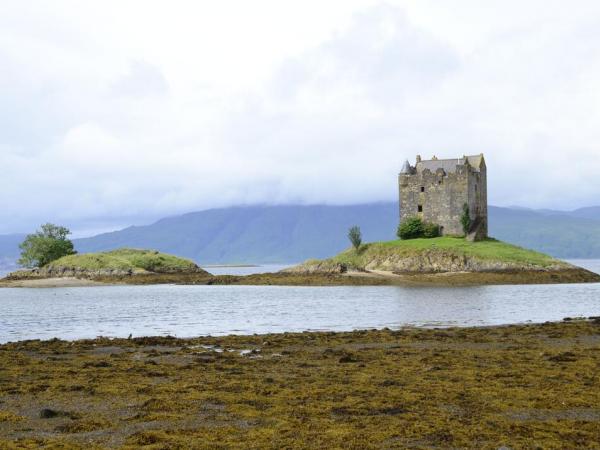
(436, 190)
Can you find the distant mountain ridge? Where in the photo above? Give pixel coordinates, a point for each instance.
(277, 234)
(9, 251)
(292, 233)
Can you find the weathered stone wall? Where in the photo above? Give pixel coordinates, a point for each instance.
(442, 195)
(477, 194)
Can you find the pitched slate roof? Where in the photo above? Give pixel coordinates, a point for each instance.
(406, 167)
(449, 165)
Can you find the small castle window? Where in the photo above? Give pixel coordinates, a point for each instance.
(422, 188)
(439, 181)
(420, 208)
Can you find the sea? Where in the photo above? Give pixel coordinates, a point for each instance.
(189, 311)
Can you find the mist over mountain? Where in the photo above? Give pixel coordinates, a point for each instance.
(281, 234)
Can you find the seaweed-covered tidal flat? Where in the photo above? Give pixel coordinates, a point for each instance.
(520, 386)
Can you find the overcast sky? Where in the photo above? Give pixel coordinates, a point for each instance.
(121, 112)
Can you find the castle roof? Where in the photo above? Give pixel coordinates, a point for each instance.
(406, 167)
(449, 165)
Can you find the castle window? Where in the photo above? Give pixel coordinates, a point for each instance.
(420, 208)
(440, 182)
(422, 188)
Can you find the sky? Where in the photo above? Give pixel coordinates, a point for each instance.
(121, 112)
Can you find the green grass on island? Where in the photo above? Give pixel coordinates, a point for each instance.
(489, 249)
(380, 263)
(126, 259)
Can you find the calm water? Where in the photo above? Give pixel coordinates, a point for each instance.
(249, 270)
(589, 264)
(185, 311)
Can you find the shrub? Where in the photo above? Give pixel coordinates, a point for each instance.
(431, 230)
(410, 228)
(414, 227)
(465, 219)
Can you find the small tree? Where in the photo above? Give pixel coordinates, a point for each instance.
(45, 245)
(355, 236)
(465, 219)
(410, 228)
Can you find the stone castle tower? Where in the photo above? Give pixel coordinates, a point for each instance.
(436, 190)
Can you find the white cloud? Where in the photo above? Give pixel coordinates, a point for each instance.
(114, 112)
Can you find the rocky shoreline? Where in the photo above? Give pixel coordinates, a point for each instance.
(439, 261)
(428, 262)
(315, 278)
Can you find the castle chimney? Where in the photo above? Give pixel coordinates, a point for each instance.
(418, 158)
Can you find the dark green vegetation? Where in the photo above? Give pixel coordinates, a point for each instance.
(355, 237)
(126, 259)
(415, 228)
(45, 245)
(527, 386)
(465, 219)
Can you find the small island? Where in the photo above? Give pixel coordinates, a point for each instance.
(124, 265)
(448, 260)
(439, 261)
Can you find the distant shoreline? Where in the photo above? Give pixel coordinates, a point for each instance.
(228, 266)
(350, 278)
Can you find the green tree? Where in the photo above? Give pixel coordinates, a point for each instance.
(465, 219)
(355, 236)
(45, 245)
(411, 228)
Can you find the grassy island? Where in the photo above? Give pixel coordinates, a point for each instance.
(487, 250)
(441, 261)
(449, 260)
(122, 265)
(520, 386)
(126, 259)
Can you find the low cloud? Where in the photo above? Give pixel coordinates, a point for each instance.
(97, 133)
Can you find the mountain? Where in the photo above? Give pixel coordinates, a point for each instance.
(255, 234)
(561, 234)
(590, 212)
(9, 251)
(259, 234)
(281, 234)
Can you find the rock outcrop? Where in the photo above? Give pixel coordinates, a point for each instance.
(78, 272)
(325, 267)
(440, 261)
(425, 261)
